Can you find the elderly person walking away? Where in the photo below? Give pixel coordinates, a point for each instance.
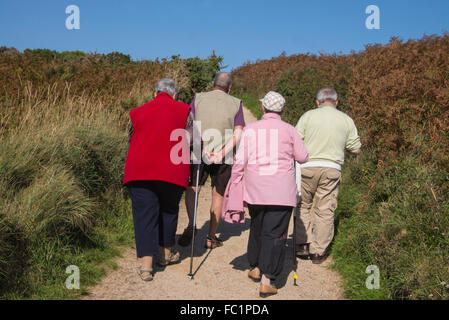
(217, 112)
(155, 181)
(265, 160)
(327, 133)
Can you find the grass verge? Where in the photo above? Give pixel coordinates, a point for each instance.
(62, 202)
(252, 104)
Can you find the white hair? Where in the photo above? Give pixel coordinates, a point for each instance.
(327, 94)
(166, 85)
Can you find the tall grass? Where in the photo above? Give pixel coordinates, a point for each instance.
(60, 187)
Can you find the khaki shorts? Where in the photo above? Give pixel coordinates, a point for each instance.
(219, 174)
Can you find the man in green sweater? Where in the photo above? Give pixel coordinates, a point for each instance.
(327, 133)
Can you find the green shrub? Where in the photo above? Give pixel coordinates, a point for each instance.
(396, 222)
(300, 88)
(201, 73)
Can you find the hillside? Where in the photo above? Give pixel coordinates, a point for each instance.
(63, 141)
(393, 206)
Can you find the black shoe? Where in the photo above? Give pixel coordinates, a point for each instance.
(317, 259)
(303, 251)
(186, 237)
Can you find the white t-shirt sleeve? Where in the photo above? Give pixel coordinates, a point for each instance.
(298, 177)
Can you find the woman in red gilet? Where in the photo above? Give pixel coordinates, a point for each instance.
(157, 173)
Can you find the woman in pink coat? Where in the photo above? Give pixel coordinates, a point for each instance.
(264, 163)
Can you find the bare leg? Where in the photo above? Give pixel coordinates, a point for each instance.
(147, 264)
(165, 252)
(167, 257)
(215, 212)
(266, 281)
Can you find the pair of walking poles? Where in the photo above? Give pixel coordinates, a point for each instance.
(295, 213)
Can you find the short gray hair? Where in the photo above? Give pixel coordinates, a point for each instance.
(222, 80)
(327, 94)
(166, 85)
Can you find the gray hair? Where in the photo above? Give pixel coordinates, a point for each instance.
(223, 81)
(166, 85)
(327, 94)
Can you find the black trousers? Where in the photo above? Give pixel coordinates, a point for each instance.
(155, 207)
(267, 238)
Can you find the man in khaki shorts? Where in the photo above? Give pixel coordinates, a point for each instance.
(221, 121)
(327, 133)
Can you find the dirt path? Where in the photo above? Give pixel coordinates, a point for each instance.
(219, 273)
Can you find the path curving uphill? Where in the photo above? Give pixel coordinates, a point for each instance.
(221, 274)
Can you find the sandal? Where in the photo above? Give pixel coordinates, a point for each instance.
(141, 273)
(214, 242)
(173, 258)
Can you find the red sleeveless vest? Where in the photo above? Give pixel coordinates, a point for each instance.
(150, 147)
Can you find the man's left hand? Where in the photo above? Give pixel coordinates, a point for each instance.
(217, 158)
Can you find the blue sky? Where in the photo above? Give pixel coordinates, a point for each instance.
(237, 30)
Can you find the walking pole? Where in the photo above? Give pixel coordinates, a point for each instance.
(295, 261)
(194, 220)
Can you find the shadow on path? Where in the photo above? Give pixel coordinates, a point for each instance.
(226, 231)
(199, 266)
(241, 263)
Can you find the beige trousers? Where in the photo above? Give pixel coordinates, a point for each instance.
(315, 222)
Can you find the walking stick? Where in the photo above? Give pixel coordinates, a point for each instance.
(295, 261)
(194, 220)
